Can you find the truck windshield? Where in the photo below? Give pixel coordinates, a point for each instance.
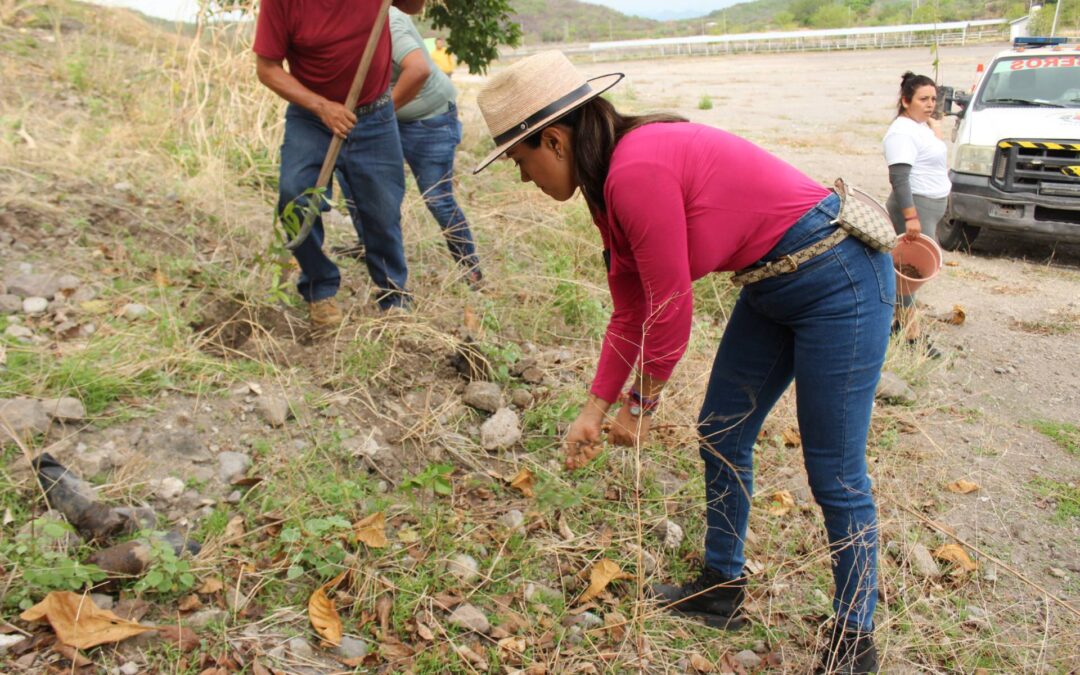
(1050, 80)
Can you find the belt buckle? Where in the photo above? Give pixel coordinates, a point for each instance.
(787, 264)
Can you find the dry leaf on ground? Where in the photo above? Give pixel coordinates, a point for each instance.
(603, 573)
(189, 603)
(383, 606)
(956, 317)
(701, 664)
(781, 503)
(962, 486)
(211, 585)
(371, 530)
(792, 438)
(472, 323)
(524, 481)
(323, 615)
(181, 637)
(72, 654)
(235, 528)
(78, 622)
(955, 553)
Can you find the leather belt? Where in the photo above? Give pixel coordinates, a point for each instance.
(383, 99)
(788, 263)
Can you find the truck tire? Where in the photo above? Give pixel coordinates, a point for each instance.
(956, 235)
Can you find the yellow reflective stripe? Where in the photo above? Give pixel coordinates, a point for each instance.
(1004, 145)
(1054, 146)
(1029, 144)
(1071, 170)
(1032, 145)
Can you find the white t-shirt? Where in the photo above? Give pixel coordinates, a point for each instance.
(908, 142)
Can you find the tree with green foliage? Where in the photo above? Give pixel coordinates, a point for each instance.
(477, 27)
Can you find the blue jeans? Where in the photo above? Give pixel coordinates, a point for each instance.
(429, 146)
(827, 326)
(371, 165)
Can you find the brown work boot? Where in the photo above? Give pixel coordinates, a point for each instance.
(325, 315)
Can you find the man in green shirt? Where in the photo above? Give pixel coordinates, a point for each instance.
(424, 101)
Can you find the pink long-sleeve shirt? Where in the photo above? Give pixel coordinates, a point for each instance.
(683, 200)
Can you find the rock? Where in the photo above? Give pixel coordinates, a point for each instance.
(540, 593)
(922, 563)
(501, 431)
(486, 396)
(133, 311)
(513, 520)
(68, 284)
(64, 409)
(103, 600)
(351, 648)
(300, 648)
(366, 446)
(1058, 572)
(671, 535)
(648, 560)
(469, 617)
(185, 443)
(123, 186)
(234, 497)
(274, 409)
(19, 332)
(22, 417)
(32, 285)
(892, 388)
(205, 617)
(532, 375)
(521, 398)
(34, 305)
(748, 659)
(464, 567)
(232, 465)
(130, 668)
(9, 304)
(588, 620)
(169, 489)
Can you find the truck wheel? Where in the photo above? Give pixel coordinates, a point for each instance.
(956, 235)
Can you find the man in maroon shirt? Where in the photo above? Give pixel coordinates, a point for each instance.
(323, 40)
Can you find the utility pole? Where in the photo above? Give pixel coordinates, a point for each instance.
(1057, 10)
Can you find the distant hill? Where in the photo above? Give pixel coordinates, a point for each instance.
(573, 21)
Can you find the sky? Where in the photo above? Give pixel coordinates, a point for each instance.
(669, 9)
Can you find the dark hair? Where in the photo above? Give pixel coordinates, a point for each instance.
(595, 129)
(909, 84)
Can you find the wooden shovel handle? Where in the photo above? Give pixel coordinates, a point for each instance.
(334, 150)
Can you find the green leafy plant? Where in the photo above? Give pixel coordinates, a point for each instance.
(167, 573)
(436, 477)
(315, 544)
(45, 564)
(705, 103)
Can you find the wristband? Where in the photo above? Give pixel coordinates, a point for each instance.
(641, 405)
(907, 218)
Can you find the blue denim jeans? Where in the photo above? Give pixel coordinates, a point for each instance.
(372, 166)
(429, 146)
(827, 326)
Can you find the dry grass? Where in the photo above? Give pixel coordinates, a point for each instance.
(187, 126)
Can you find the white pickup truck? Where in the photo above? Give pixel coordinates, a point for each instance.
(1017, 161)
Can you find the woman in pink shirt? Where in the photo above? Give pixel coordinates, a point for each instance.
(674, 201)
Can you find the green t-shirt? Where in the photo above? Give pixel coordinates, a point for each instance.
(437, 91)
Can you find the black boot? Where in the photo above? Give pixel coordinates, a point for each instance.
(711, 596)
(850, 652)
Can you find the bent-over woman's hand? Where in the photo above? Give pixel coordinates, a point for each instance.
(582, 442)
(628, 430)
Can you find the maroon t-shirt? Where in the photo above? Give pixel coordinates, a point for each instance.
(323, 41)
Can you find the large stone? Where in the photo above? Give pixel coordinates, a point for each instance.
(522, 398)
(464, 567)
(274, 409)
(9, 304)
(232, 465)
(748, 659)
(469, 617)
(352, 648)
(32, 285)
(922, 562)
(513, 520)
(205, 617)
(133, 311)
(22, 417)
(169, 489)
(486, 396)
(501, 430)
(66, 408)
(68, 284)
(34, 305)
(670, 534)
(892, 388)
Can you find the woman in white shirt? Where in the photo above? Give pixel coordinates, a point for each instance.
(919, 175)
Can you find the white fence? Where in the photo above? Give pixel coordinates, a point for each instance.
(866, 37)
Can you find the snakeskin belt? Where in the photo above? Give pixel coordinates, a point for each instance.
(788, 263)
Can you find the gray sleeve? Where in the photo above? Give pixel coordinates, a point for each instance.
(900, 179)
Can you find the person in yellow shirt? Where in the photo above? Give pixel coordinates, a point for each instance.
(443, 59)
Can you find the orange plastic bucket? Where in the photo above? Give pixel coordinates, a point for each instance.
(915, 262)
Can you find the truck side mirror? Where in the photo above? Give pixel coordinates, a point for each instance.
(953, 101)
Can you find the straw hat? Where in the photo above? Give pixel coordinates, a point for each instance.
(531, 93)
